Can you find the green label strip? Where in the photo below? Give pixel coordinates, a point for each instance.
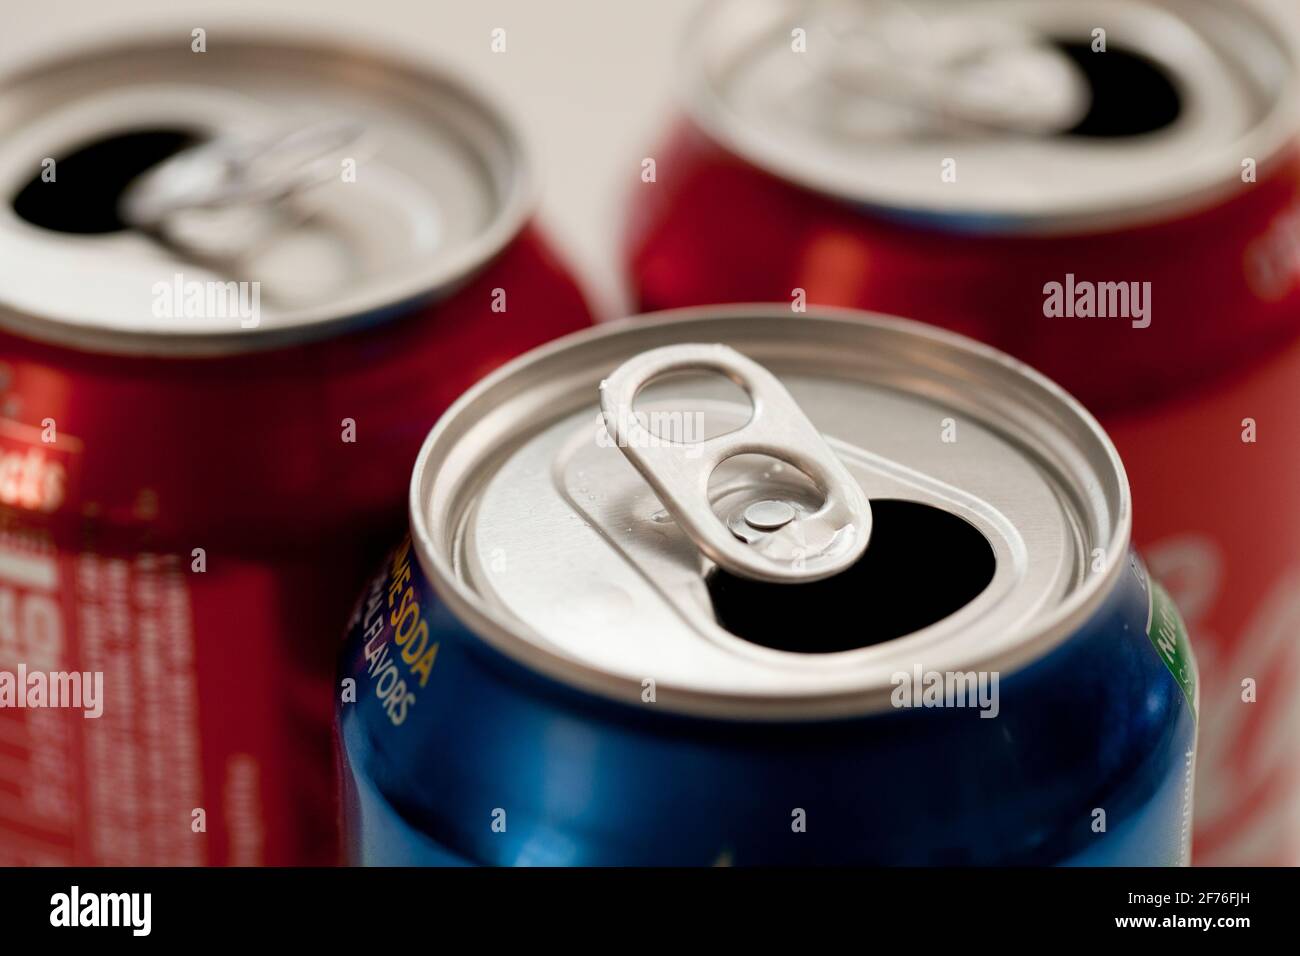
(1168, 636)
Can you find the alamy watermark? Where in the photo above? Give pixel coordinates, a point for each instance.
(1082, 299)
(208, 299)
(657, 428)
(62, 690)
(133, 911)
(977, 690)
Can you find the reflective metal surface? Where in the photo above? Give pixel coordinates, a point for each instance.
(540, 534)
(802, 544)
(965, 110)
(332, 226)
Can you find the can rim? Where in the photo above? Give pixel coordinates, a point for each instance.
(1277, 133)
(500, 632)
(325, 321)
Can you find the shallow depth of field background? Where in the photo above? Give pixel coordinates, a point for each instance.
(589, 82)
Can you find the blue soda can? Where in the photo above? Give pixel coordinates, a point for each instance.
(727, 586)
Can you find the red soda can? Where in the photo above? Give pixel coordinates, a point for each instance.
(243, 275)
(1037, 174)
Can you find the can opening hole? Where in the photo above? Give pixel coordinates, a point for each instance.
(692, 406)
(79, 193)
(921, 565)
(1131, 95)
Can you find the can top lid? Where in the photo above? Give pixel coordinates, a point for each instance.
(611, 510)
(159, 199)
(1001, 115)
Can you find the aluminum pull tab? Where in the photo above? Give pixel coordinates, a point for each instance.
(797, 547)
(218, 200)
(952, 70)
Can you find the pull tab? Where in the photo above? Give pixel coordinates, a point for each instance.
(218, 200)
(794, 547)
(955, 71)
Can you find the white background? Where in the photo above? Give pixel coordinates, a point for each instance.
(589, 82)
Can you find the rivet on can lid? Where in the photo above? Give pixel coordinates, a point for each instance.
(768, 515)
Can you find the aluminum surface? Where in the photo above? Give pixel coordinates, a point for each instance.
(440, 186)
(543, 537)
(884, 94)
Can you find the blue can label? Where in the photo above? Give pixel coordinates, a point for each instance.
(398, 650)
(453, 752)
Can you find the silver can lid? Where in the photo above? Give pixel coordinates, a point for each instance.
(624, 505)
(993, 114)
(285, 188)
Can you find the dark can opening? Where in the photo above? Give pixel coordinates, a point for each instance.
(1131, 95)
(922, 564)
(87, 185)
